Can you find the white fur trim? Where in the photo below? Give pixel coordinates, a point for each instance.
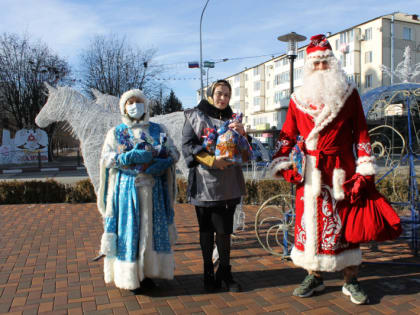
(277, 165)
(339, 176)
(366, 165)
(109, 244)
(106, 210)
(109, 212)
(125, 275)
(312, 177)
(312, 189)
(330, 263)
(159, 265)
(136, 123)
(109, 269)
(320, 54)
(366, 169)
(101, 190)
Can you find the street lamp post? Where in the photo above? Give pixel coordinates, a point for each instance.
(201, 52)
(292, 39)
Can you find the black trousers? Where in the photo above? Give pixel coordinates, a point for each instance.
(217, 219)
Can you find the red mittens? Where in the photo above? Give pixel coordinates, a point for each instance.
(291, 176)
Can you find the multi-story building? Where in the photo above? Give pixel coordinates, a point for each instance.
(262, 92)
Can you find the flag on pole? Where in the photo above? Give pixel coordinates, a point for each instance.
(193, 64)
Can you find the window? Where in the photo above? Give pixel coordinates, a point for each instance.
(257, 85)
(343, 60)
(237, 91)
(284, 77)
(343, 38)
(277, 63)
(368, 33)
(277, 79)
(368, 81)
(407, 33)
(237, 78)
(256, 101)
(246, 77)
(349, 59)
(337, 44)
(300, 54)
(368, 57)
(275, 117)
(285, 61)
(350, 78)
(285, 93)
(256, 71)
(260, 121)
(277, 97)
(350, 35)
(298, 73)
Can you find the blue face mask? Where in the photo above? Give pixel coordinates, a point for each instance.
(136, 110)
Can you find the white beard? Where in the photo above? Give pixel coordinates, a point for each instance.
(323, 86)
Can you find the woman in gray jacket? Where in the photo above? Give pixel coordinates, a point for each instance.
(215, 186)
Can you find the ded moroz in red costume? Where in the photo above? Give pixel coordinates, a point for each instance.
(337, 185)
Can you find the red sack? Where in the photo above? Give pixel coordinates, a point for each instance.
(370, 217)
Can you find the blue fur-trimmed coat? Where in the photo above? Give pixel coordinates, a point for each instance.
(137, 208)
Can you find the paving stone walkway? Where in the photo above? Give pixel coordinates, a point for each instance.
(46, 266)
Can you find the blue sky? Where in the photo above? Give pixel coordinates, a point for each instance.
(230, 29)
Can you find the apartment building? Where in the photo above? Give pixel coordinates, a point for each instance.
(262, 92)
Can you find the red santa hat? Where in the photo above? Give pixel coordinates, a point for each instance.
(319, 48)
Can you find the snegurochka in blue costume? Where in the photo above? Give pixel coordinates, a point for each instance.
(136, 196)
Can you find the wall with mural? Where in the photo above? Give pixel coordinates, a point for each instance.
(27, 146)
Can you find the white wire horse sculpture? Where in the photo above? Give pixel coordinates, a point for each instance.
(90, 120)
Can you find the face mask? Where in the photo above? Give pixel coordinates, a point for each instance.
(136, 110)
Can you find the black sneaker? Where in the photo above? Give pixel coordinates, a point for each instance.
(309, 286)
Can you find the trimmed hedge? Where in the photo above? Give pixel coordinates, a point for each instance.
(50, 191)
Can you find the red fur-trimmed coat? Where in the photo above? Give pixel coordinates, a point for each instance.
(331, 134)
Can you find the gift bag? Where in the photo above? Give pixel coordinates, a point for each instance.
(231, 144)
(209, 143)
(371, 219)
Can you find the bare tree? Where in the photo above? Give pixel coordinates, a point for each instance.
(24, 67)
(112, 66)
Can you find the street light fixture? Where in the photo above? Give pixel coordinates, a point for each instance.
(201, 52)
(292, 39)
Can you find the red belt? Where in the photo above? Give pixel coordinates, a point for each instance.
(321, 154)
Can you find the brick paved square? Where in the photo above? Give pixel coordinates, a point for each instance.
(46, 265)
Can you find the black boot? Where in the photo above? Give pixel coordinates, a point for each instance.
(225, 281)
(209, 282)
(147, 284)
